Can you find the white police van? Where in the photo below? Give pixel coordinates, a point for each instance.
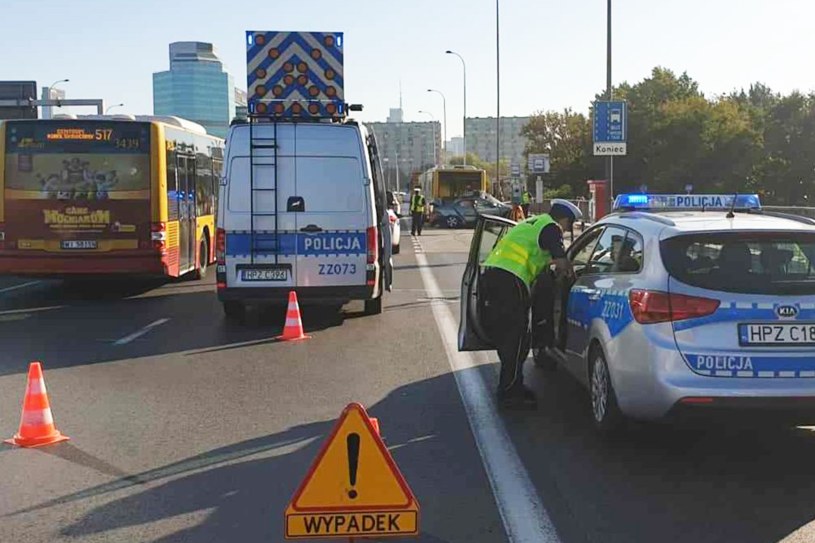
(302, 208)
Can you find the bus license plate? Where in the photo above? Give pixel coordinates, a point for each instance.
(772, 334)
(78, 244)
(267, 274)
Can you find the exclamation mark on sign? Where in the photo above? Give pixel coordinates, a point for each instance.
(353, 462)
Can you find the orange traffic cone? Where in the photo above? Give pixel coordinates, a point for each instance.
(293, 329)
(36, 423)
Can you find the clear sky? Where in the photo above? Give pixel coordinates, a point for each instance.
(552, 51)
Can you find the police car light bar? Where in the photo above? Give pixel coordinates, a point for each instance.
(702, 202)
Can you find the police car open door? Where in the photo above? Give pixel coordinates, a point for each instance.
(488, 230)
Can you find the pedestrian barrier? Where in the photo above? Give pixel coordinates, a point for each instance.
(293, 328)
(36, 422)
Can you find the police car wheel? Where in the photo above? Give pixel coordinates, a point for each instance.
(543, 359)
(605, 412)
(452, 222)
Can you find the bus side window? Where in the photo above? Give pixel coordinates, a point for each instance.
(172, 186)
(217, 172)
(203, 185)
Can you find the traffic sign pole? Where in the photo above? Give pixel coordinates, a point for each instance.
(610, 160)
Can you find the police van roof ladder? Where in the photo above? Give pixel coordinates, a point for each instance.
(266, 242)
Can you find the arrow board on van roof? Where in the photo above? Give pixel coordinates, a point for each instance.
(295, 74)
(354, 488)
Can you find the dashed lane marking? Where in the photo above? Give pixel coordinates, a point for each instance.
(17, 287)
(139, 333)
(417, 245)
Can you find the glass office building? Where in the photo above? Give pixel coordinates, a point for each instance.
(196, 87)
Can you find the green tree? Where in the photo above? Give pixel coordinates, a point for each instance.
(566, 137)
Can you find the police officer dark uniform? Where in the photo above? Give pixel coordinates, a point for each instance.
(511, 271)
(417, 206)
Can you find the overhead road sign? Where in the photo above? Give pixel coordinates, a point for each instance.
(610, 128)
(295, 74)
(354, 488)
(538, 163)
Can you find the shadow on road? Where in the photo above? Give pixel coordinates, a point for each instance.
(246, 486)
(661, 484)
(665, 483)
(76, 324)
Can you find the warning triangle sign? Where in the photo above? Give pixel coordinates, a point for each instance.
(353, 477)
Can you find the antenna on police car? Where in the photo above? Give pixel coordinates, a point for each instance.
(730, 213)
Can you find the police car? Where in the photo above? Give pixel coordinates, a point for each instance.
(681, 303)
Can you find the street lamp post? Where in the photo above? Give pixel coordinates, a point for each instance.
(113, 106)
(464, 127)
(435, 156)
(46, 110)
(444, 130)
(497, 96)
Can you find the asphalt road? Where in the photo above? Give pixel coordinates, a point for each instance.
(200, 430)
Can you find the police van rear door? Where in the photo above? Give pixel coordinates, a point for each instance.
(260, 230)
(332, 206)
(743, 303)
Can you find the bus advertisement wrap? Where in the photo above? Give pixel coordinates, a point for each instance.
(88, 183)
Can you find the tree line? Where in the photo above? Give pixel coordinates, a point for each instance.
(753, 140)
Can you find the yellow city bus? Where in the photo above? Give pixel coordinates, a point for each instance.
(101, 196)
(453, 182)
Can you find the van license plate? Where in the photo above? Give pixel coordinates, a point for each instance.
(78, 244)
(265, 274)
(773, 334)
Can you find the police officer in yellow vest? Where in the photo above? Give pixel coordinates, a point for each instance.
(510, 274)
(526, 199)
(417, 206)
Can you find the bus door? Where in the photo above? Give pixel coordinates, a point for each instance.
(186, 213)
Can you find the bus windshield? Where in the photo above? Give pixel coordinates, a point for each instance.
(70, 160)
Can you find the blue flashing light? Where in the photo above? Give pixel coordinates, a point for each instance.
(685, 201)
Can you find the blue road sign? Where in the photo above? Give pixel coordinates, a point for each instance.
(610, 122)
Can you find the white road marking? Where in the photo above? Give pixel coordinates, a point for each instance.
(139, 333)
(524, 517)
(33, 310)
(16, 287)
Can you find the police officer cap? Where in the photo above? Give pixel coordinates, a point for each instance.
(417, 189)
(564, 208)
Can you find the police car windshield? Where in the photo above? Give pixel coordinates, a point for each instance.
(749, 263)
